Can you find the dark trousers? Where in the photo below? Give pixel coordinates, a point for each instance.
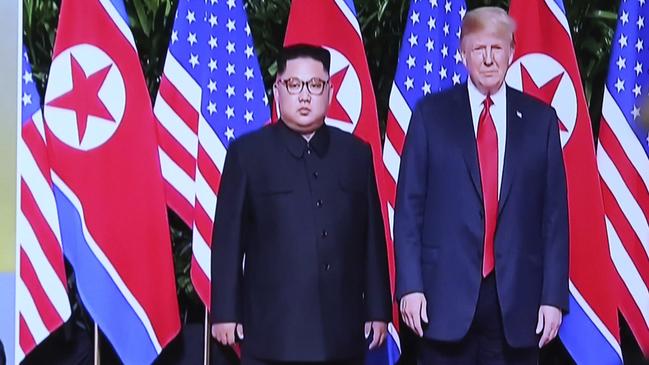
(249, 360)
(484, 344)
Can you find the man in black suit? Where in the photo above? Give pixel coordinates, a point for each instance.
(481, 222)
(298, 200)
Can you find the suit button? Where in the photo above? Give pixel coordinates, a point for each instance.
(318, 203)
(327, 267)
(324, 234)
(308, 151)
(315, 174)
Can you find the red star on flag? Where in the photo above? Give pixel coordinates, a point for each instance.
(84, 97)
(336, 110)
(544, 92)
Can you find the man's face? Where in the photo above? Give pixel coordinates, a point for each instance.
(487, 55)
(303, 110)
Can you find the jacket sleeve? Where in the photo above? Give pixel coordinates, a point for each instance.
(409, 209)
(227, 247)
(377, 282)
(555, 225)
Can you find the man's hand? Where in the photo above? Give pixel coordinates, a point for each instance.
(413, 311)
(380, 331)
(224, 332)
(549, 322)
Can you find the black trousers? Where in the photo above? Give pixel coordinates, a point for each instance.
(484, 344)
(248, 360)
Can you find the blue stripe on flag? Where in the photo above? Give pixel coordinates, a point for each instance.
(584, 341)
(350, 4)
(388, 354)
(99, 293)
(121, 9)
(560, 5)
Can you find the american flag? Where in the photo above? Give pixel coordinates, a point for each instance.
(211, 92)
(429, 61)
(623, 162)
(41, 291)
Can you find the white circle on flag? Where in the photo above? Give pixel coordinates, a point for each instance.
(542, 69)
(350, 93)
(90, 130)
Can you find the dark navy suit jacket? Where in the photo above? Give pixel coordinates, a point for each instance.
(308, 219)
(439, 224)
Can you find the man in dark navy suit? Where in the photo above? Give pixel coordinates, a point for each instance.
(299, 200)
(481, 222)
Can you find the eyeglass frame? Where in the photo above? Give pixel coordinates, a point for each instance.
(308, 88)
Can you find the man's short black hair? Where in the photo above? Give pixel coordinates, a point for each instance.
(302, 50)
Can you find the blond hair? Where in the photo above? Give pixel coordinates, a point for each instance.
(488, 17)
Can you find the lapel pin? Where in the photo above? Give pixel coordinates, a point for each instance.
(519, 114)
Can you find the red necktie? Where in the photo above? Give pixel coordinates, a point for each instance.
(487, 140)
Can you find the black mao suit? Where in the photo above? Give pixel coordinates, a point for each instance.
(307, 217)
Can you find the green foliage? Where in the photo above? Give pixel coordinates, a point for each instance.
(593, 28)
(268, 21)
(381, 21)
(151, 23)
(40, 21)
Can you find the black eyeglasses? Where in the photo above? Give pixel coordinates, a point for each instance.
(294, 86)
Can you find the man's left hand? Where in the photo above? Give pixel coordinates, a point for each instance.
(549, 322)
(379, 330)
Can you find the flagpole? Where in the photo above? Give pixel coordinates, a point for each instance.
(206, 339)
(97, 361)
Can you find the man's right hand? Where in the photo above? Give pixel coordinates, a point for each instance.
(224, 332)
(413, 311)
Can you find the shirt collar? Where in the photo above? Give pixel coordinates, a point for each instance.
(296, 143)
(476, 97)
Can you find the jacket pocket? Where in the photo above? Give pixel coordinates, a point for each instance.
(353, 183)
(272, 187)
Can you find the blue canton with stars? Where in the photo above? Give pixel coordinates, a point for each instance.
(628, 81)
(212, 41)
(430, 59)
(30, 100)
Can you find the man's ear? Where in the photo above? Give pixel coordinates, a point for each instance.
(276, 97)
(463, 54)
(331, 93)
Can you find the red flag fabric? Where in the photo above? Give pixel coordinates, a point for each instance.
(545, 67)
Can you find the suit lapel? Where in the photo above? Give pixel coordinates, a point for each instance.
(512, 148)
(467, 138)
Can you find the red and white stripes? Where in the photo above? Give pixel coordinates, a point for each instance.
(192, 158)
(399, 114)
(624, 172)
(41, 290)
(177, 113)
